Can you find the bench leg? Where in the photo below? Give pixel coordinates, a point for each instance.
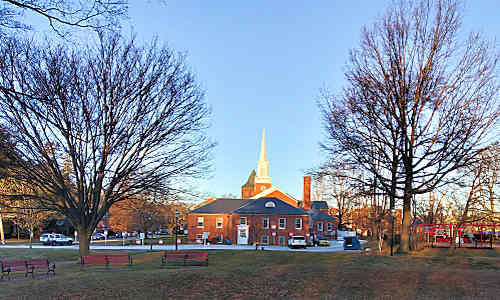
(53, 270)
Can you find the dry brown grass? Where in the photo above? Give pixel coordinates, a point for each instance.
(277, 275)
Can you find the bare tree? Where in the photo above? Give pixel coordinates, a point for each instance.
(63, 14)
(490, 182)
(336, 184)
(129, 120)
(419, 100)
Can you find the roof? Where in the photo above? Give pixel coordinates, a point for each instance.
(221, 206)
(321, 216)
(259, 207)
(251, 180)
(319, 205)
(270, 190)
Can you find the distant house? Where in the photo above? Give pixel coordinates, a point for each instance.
(321, 223)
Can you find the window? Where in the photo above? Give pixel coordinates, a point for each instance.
(270, 204)
(298, 223)
(281, 240)
(265, 223)
(218, 223)
(200, 222)
(199, 237)
(264, 239)
(282, 224)
(320, 226)
(243, 220)
(329, 226)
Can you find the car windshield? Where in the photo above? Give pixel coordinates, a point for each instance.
(348, 239)
(298, 238)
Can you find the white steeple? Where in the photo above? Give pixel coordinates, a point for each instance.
(263, 164)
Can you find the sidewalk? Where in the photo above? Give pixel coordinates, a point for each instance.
(336, 247)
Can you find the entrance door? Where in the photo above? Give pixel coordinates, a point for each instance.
(242, 234)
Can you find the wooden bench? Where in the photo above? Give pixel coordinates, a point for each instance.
(28, 266)
(105, 259)
(193, 258)
(40, 263)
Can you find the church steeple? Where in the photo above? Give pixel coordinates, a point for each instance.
(263, 156)
(263, 164)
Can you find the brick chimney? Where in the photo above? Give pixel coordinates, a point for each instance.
(307, 193)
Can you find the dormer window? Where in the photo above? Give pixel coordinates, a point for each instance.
(270, 204)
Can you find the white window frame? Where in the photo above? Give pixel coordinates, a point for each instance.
(264, 225)
(198, 222)
(320, 227)
(243, 218)
(284, 223)
(329, 226)
(300, 226)
(217, 222)
(262, 239)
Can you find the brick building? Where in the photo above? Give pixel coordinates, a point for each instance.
(264, 214)
(246, 221)
(321, 223)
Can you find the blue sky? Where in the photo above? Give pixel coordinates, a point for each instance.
(262, 64)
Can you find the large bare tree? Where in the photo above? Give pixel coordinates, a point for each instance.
(420, 100)
(62, 14)
(100, 124)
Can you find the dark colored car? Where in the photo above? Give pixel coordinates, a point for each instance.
(351, 243)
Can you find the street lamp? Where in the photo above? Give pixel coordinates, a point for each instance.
(175, 228)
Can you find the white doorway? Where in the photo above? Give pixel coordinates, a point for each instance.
(242, 234)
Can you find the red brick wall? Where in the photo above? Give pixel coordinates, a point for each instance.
(307, 193)
(209, 225)
(258, 188)
(325, 232)
(256, 230)
(247, 192)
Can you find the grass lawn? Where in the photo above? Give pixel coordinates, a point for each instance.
(432, 274)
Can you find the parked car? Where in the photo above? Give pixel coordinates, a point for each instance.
(323, 242)
(55, 239)
(44, 238)
(98, 236)
(351, 243)
(163, 232)
(297, 241)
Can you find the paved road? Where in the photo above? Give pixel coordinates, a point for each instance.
(335, 247)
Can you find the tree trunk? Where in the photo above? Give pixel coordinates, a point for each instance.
(2, 237)
(453, 245)
(84, 240)
(404, 243)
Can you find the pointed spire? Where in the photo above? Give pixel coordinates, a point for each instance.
(263, 156)
(263, 164)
